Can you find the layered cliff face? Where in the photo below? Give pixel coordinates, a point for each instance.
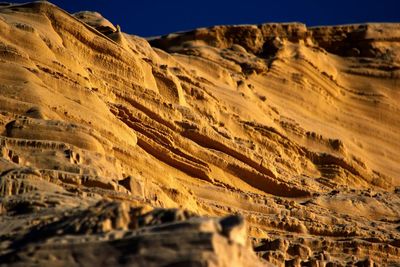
(295, 129)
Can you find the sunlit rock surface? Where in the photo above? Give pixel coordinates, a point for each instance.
(121, 151)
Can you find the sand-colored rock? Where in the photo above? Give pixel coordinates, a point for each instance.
(112, 146)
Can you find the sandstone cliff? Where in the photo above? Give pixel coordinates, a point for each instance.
(113, 146)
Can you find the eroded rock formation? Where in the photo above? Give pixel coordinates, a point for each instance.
(112, 146)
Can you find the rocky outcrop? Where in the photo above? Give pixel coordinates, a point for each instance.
(112, 233)
(114, 145)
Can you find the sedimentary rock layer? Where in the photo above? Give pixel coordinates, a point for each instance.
(295, 129)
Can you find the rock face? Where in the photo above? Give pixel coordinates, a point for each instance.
(112, 146)
(113, 234)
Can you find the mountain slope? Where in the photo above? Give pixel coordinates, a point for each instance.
(294, 128)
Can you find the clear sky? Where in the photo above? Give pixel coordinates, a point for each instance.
(158, 17)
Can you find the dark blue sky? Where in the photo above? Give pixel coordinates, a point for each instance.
(157, 17)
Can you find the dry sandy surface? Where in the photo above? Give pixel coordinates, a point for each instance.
(121, 151)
